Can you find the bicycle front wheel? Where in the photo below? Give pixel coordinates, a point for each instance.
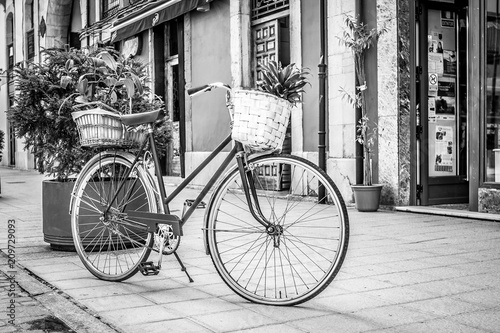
(301, 251)
(109, 244)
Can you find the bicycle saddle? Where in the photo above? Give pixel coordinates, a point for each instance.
(140, 118)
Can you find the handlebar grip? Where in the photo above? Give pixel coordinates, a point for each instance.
(192, 91)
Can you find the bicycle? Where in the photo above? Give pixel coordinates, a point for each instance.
(275, 226)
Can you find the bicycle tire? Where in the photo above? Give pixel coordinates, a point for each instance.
(109, 249)
(286, 268)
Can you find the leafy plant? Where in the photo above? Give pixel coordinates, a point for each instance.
(109, 78)
(285, 82)
(359, 38)
(48, 90)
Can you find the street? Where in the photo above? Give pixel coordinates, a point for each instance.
(404, 272)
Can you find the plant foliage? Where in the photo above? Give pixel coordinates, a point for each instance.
(48, 90)
(359, 39)
(285, 82)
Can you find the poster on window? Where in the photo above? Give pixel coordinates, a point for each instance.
(447, 19)
(431, 109)
(435, 62)
(449, 62)
(443, 149)
(446, 99)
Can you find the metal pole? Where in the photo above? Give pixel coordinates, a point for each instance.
(358, 148)
(322, 96)
(322, 91)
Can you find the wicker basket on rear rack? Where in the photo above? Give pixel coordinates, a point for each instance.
(260, 120)
(100, 126)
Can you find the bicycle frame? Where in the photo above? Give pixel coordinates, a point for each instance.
(247, 178)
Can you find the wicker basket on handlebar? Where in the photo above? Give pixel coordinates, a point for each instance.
(260, 120)
(100, 126)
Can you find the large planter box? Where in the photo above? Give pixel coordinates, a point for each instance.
(56, 220)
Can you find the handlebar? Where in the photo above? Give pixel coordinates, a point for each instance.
(207, 87)
(195, 90)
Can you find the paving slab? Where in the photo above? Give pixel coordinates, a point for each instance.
(404, 272)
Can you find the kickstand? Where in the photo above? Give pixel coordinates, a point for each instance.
(183, 268)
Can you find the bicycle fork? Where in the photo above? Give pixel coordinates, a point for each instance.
(247, 176)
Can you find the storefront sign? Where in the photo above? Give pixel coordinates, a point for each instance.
(447, 19)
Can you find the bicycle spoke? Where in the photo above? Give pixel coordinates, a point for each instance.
(300, 252)
(110, 245)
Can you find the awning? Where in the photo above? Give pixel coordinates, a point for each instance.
(150, 16)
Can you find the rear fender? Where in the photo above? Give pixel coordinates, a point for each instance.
(128, 156)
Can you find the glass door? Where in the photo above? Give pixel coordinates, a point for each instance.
(492, 71)
(443, 95)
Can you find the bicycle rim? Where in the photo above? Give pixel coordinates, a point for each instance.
(110, 248)
(302, 255)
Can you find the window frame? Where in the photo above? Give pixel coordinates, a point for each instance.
(109, 7)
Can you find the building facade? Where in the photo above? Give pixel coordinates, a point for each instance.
(431, 78)
(26, 27)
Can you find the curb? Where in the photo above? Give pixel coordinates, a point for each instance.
(78, 317)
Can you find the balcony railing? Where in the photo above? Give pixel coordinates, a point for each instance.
(262, 8)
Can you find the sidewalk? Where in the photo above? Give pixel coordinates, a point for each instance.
(404, 272)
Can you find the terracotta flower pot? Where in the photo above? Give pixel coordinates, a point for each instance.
(367, 198)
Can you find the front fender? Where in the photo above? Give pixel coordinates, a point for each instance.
(221, 181)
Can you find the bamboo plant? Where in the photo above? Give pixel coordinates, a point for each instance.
(359, 38)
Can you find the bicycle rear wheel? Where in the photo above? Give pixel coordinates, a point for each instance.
(300, 254)
(110, 246)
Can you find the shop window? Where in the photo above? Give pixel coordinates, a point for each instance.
(74, 40)
(10, 52)
(10, 41)
(30, 30)
(109, 7)
(492, 140)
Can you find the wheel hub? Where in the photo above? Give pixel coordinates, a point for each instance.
(275, 231)
(110, 221)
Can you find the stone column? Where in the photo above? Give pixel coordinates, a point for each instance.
(57, 18)
(296, 57)
(387, 59)
(341, 164)
(240, 43)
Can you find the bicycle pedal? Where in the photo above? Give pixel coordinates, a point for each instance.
(190, 202)
(148, 268)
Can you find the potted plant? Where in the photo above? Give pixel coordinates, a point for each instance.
(278, 92)
(285, 82)
(42, 115)
(359, 38)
